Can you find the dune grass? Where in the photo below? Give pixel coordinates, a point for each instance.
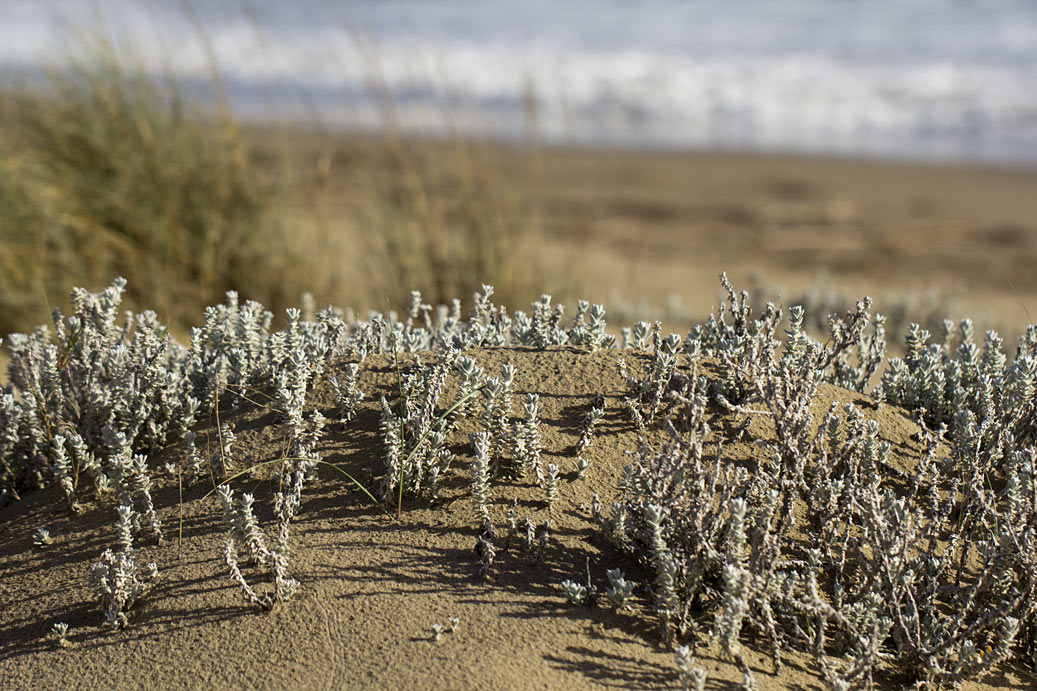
(447, 223)
(108, 169)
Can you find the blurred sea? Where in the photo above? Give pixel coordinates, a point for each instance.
(909, 79)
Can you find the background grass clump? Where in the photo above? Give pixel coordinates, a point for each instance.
(106, 170)
(109, 169)
(447, 222)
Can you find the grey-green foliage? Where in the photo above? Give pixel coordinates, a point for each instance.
(346, 393)
(303, 435)
(91, 376)
(590, 420)
(575, 593)
(391, 428)
(485, 550)
(917, 569)
(92, 398)
(116, 579)
(616, 530)
(551, 484)
(99, 368)
(245, 536)
(855, 369)
(667, 570)
(415, 430)
(471, 378)
(544, 328)
(526, 444)
(542, 540)
(639, 335)
(223, 459)
(192, 464)
(480, 469)
(648, 396)
(88, 375)
(129, 474)
(59, 632)
(588, 328)
(967, 387)
(495, 419)
(691, 678)
(63, 472)
(581, 465)
(452, 626)
(824, 298)
(41, 537)
(620, 591)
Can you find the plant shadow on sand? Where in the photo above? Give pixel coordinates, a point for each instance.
(692, 433)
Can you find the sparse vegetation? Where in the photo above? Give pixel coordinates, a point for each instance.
(817, 541)
(759, 513)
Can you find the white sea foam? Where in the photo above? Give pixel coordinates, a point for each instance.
(912, 78)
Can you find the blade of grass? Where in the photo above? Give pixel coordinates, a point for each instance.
(424, 435)
(334, 467)
(403, 429)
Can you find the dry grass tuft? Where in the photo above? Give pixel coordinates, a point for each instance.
(447, 223)
(107, 170)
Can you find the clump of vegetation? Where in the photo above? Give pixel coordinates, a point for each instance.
(117, 580)
(817, 540)
(59, 633)
(904, 569)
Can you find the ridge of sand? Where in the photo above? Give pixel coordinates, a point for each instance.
(371, 589)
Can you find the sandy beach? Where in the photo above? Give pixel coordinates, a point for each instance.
(634, 462)
(614, 227)
(371, 588)
(651, 228)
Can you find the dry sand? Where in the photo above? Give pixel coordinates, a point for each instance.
(370, 588)
(634, 226)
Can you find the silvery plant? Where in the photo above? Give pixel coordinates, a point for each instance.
(495, 419)
(90, 399)
(72, 386)
(588, 327)
(303, 433)
(415, 427)
(928, 571)
(526, 442)
(480, 470)
(648, 395)
(347, 395)
(59, 633)
(924, 568)
(691, 678)
(116, 579)
(593, 417)
(247, 537)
